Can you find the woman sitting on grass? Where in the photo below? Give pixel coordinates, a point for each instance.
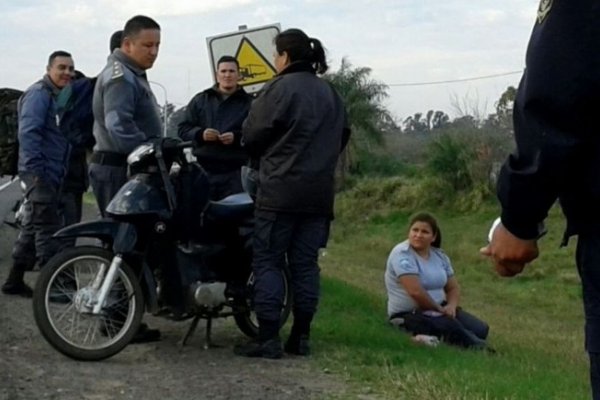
(422, 291)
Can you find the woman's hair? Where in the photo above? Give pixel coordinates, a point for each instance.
(299, 47)
(432, 222)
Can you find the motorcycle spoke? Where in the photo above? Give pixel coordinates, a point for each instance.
(68, 311)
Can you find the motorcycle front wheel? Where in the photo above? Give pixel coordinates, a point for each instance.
(62, 298)
(247, 321)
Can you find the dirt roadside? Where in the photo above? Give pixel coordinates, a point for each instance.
(31, 369)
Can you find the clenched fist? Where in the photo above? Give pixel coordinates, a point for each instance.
(509, 253)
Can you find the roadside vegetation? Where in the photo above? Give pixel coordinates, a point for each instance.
(446, 166)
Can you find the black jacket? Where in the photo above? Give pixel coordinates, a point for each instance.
(77, 125)
(208, 109)
(297, 128)
(555, 120)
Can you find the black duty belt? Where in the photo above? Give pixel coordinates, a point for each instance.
(108, 158)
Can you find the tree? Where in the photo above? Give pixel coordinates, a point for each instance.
(415, 124)
(502, 119)
(433, 120)
(363, 97)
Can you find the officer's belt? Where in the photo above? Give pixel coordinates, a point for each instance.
(108, 158)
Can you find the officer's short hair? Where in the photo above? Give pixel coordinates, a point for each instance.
(58, 53)
(231, 59)
(138, 23)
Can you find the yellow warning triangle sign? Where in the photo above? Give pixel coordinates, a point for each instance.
(254, 67)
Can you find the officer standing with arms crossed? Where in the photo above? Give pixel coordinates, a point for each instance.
(126, 115)
(558, 154)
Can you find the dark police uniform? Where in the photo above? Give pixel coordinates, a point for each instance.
(210, 109)
(558, 145)
(77, 124)
(126, 114)
(43, 155)
(297, 128)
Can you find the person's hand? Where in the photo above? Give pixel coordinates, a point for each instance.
(449, 310)
(509, 253)
(210, 135)
(226, 138)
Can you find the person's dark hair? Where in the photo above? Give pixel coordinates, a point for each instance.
(232, 59)
(77, 74)
(300, 47)
(432, 222)
(58, 53)
(115, 40)
(138, 23)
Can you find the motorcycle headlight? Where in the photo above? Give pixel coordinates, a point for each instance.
(140, 152)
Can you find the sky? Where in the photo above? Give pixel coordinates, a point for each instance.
(403, 42)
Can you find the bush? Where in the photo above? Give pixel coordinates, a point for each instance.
(450, 158)
(379, 163)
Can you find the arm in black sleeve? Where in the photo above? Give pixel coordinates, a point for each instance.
(191, 128)
(553, 110)
(265, 120)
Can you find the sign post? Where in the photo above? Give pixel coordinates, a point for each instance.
(253, 48)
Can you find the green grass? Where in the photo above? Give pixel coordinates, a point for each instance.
(536, 319)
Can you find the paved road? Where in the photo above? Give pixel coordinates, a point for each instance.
(10, 193)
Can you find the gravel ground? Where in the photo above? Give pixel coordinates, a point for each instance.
(31, 369)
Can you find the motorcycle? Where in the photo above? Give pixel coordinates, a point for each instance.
(164, 247)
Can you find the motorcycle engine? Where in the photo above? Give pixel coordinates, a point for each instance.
(208, 295)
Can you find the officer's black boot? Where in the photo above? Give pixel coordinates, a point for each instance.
(15, 285)
(268, 344)
(298, 341)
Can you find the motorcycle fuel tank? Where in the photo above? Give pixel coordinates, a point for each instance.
(138, 197)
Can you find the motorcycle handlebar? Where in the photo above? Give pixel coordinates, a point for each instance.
(174, 143)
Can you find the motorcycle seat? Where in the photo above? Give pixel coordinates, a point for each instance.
(233, 207)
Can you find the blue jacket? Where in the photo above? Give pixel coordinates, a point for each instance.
(43, 148)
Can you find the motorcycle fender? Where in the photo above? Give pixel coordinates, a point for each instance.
(122, 235)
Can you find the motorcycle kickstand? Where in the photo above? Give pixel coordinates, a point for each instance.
(208, 341)
(190, 331)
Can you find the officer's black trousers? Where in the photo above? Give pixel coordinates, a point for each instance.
(39, 222)
(588, 265)
(299, 237)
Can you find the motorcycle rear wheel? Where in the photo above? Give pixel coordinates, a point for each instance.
(247, 321)
(60, 290)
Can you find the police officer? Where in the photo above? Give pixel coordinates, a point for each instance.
(298, 145)
(76, 124)
(214, 119)
(115, 40)
(558, 153)
(126, 113)
(43, 156)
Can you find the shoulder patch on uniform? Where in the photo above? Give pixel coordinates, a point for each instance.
(117, 70)
(543, 10)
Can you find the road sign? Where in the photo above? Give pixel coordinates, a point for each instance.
(253, 48)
